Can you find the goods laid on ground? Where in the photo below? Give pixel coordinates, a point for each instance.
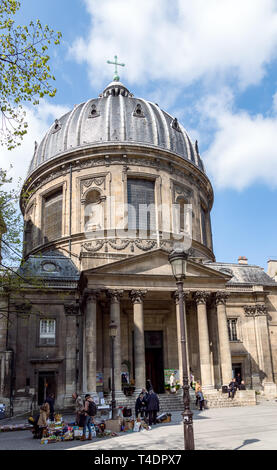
(57, 431)
(135, 425)
(15, 427)
(164, 418)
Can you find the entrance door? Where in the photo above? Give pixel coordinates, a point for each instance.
(46, 385)
(236, 369)
(154, 368)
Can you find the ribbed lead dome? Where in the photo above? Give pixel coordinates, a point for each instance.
(115, 117)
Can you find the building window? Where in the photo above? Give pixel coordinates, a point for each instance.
(52, 216)
(141, 204)
(232, 329)
(203, 226)
(47, 334)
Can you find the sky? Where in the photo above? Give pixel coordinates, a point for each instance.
(210, 63)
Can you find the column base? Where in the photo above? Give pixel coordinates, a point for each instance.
(270, 390)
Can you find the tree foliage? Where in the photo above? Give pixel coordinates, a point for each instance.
(25, 74)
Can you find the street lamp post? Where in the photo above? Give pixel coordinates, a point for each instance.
(178, 261)
(113, 333)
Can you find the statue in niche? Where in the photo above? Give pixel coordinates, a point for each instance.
(94, 211)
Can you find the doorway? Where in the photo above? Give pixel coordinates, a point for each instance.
(236, 369)
(46, 385)
(154, 367)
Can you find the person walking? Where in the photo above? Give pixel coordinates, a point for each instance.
(140, 406)
(89, 411)
(79, 405)
(199, 395)
(51, 401)
(153, 406)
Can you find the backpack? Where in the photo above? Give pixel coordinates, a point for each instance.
(92, 408)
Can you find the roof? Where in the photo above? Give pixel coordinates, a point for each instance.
(116, 116)
(52, 265)
(243, 274)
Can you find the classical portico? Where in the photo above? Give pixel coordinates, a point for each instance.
(139, 295)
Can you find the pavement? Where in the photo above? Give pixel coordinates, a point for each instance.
(237, 428)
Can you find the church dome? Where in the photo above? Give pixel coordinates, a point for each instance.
(115, 117)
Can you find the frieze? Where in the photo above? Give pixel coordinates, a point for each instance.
(154, 162)
(120, 244)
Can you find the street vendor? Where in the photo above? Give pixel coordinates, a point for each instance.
(79, 405)
(43, 416)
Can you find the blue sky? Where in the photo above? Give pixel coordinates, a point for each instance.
(211, 63)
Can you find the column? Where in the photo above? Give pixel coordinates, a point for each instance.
(139, 347)
(265, 369)
(224, 344)
(176, 299)
(71, 311)
(90, 342)
(114, 296)
(201, 298)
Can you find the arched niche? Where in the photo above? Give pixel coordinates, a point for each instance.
(93, 204)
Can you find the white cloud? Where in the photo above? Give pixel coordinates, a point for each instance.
(181, 42)
(243, 150)
(39, 119)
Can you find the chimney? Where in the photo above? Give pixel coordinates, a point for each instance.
(272, 268)
(242, 260)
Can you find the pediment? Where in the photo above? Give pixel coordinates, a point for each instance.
(154, 263)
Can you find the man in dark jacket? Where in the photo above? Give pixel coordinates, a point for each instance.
(232, 388)
(51, 400)
(153, 406)
(140, 406)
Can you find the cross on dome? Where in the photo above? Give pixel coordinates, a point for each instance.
(116, 76)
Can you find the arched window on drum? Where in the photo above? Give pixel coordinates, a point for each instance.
(94, 211)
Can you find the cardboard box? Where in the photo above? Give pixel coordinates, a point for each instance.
(113, 425)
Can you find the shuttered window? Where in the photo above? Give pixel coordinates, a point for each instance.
(52, 216)
(141, 201)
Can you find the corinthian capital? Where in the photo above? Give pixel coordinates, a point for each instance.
(114, 295)
(221, 297)
(176, 296)
(250, 310)
(71, 309)
(261, 309)
(137, 296)
(201, 296)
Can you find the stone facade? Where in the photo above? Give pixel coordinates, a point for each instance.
(94, 271)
